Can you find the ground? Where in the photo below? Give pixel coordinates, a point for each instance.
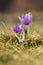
(30, 52)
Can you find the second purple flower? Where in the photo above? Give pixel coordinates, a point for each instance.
(17, 28)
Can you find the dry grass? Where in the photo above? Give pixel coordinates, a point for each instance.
(30, 52)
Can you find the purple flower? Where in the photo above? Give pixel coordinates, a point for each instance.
(26, 19)
(17, 28)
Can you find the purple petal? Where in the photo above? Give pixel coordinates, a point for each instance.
(19, 18)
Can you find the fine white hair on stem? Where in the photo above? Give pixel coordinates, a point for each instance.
(23, 36)
(16, 36)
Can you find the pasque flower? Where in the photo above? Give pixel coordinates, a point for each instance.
(17, 28)
(25, 19)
